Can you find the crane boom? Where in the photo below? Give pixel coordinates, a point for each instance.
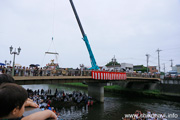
(93, 61)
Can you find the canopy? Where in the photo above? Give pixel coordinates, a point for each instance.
(2, 64)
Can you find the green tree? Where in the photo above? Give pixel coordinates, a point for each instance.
(112, 63)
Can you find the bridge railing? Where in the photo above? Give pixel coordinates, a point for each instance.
(133, 74)
(68, 72)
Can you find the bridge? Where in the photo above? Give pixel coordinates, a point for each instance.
(95, 86)
(25, 80)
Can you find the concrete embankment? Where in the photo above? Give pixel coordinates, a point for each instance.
(169, 88)
(158, 91)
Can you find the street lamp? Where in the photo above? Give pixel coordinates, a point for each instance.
(81, 67)
(15, 53)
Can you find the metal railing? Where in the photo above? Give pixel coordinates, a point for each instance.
(65, 72)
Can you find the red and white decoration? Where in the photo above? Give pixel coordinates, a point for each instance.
(100, 75)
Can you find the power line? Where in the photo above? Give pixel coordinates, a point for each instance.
(152, 61)
(172, 48)
(164, 60)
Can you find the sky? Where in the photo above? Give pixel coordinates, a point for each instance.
(126, 29)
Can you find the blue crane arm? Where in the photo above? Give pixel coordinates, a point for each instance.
(93, 61)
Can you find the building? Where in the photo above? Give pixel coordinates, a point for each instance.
(176, 68)
(127, 66)
(152, 69)
(113, 65)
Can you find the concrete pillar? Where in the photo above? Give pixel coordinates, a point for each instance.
(96, 91)
(152, 86)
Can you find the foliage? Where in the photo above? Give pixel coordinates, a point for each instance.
(112, 63)
(141, 68)
(130, 92)
(76, 84)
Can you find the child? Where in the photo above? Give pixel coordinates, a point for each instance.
(12, 101)
(5, 78)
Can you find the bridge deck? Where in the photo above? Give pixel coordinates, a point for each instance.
(50, 77)
(67, 79)
(144, 79)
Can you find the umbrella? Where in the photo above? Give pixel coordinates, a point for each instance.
(2, 64)
(34, 65)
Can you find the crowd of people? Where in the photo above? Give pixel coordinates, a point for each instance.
(22, 71)
(42, 71)
(46, 98)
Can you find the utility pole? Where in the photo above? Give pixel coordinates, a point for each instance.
(171, 62)
(147, 55)
(158, 59)
(164, 68)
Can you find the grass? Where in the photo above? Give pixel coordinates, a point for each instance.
(127, 92)
(76, 85)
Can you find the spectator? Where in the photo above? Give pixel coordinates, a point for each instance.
(16, 104)
(5, 78)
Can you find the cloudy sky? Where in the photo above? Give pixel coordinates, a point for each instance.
(128, 29)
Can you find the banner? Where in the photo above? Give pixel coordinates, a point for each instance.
(100, 75)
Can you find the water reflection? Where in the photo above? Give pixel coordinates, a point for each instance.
(114, 106)
(73, 113)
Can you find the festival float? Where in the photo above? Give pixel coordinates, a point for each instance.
(52, 68)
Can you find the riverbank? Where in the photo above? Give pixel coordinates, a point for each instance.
(155, 94)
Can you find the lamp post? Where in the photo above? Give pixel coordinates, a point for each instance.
(15, 53)
(147, 55)
(81, 67)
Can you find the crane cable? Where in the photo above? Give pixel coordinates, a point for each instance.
(56, 54)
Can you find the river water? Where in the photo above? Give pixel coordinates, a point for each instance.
(114, 107)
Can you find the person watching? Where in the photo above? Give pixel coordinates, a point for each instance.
(5, 78)
(13, 99)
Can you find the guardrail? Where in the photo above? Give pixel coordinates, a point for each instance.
(70, 72)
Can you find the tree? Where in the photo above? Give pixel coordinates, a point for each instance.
(112, 64)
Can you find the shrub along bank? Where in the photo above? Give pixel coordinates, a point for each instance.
(131, 92)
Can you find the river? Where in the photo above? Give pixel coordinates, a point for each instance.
(114, 107)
